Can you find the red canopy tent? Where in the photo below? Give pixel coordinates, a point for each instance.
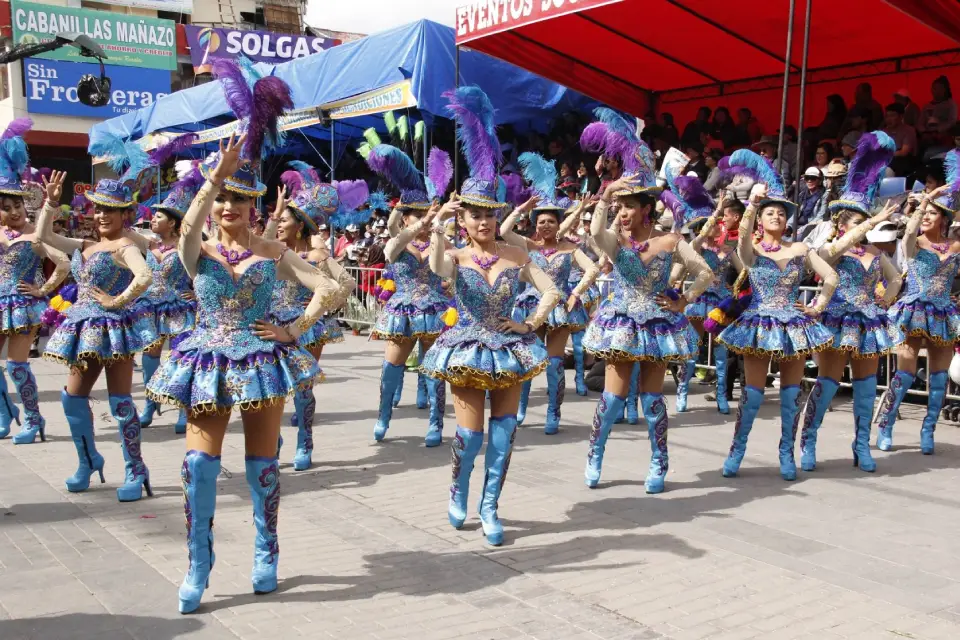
(675, 55)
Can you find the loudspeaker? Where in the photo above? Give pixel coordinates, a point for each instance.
(93, 91)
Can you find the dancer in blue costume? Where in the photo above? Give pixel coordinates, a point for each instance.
(775, 325)
(23, 293)
(415, 311)
(925, 311)
(235, 358)
(589, 298)
(102, 330)
(555, 257)
(856, 318)
(485, 350)
(296, 223)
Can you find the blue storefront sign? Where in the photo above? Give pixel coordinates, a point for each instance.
(51, 87)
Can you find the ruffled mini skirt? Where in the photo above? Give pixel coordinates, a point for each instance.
(700, 308)
(479, 358)
(90, 332)
(559, 317)
(309, 338)
(616, 336)
(171, 318)
(781, 336)
(21, 314)
(938, 323)
(215, 371)
(406, 320)
(864, 333)
(328, 332)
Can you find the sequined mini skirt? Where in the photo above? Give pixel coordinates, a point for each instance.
(617, 336)
(90, 332)
(21, 314)
(309, 338)
(938, 323)
(559, 317)
(479, 358)
(171, 317)
(405, 320)
(865, 333)
(700, 308)
(782, 335)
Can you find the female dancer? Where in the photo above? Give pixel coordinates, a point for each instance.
(546, 213)
(297, 223)
(485, 350)
(414, 312)
(775, 325)
(858, 322)
(641, 323)
(101, 330)
(588, 298)
(23, 294)
(925, 312)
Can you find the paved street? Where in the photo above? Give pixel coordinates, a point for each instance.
(366, 551)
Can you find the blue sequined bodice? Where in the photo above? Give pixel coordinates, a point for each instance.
(775, 290)
(483, 306)
(227, 305)
(930, 279)
(19, 264)
(858, 284)
(416, 284)
(719, 266)
(100, 270)
(289, 299)
(637, 283)
(170, 279)
(557, 267)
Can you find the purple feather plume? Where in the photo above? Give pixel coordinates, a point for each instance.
(473, 110)
(439, 170)
(951, 167)
(395, 166)
(693, 193)
(517, 194)
(874, 152)
(175, 146)
(235, 88)
(17, 127)
(192, 180)
(353, 193)
(79, 201)
(271, 97)
(593, 137)
(292, 180)
(676, 206)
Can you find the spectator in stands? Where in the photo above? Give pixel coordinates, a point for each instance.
(669, 130)
(609, 169)
(934, 142)
(911, 111)
(873, 110)
(942, 107)
(711, 158)
(858, 120)
(350, 236)
(691, 133)
(789, 153)
(825, 153)
(694, 151)
(741, 137)
(325, 234)
(589, 182)
(905, 137)
(722, 127)
(833, 119)
(808, 198)
(848, 146)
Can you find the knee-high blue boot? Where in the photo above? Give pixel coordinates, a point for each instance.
(629, 410)
(578, 363)
(750, 400)
(399, 389)
(263, 478)
(720, 354)
(423, 393)
(609, 408)
(136, 474)
(686, 373)
(655, 413)
(524, 401)
(501, 433)
(864, 395)
(437, 392)
(789, 421)
(813, 411)
(556, 388)
(464, 448)
(80, 418)
(22, 376)
(181, 427)
(198, 475)
(305, 405)
(391, 377)
(937, 387)
(889, 405)
(149, 365)
(8, 411)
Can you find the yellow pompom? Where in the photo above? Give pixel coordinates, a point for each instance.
(56, 302)
(450, 316)
(389, 285)
(381, 282)
(66, 305)
(718, 316)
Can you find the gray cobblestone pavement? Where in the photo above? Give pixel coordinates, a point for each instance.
(366, 551)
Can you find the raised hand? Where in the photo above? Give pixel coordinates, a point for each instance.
(54, 186)
(282, 202)
(229, 158)
(758, 193)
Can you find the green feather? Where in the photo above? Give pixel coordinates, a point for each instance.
(372, 137)
(403, 128)
(418, 130)
(390, 121)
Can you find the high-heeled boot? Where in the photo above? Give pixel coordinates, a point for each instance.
(305, 405)
(937, 388)
(501, 433)
(578, 363)
(629, 411)
(80, 418)
(813, 411)
(22, 377)
(864, 395)
(524, 402)
(655, 413)
(198, 476)
(148, 364)
(556, 389)
(437, 392)
(686, 373)
(8, 410)
(464, 448)
(398, 391)
(391, 377)
(136, 475)
(180, 427)
(263, 478)
(609, 407)
(889, 405)
(750, 400)
(789, 421)
(720, 354)
(423, 394)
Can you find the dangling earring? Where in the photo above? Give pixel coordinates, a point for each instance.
(840, 233)
(758, 234)
(299, 235)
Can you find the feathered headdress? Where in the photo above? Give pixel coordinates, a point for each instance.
(612, 135)
(542, 176)
(874, 153)
(172, 147)
(949, 203)
(312, 200)
(378, 201)
(472, 110)
(397, 167)
(14, 158)
(439, 173)
(125, 157)
(353, 194)
(746, 162)
(182, 191)
(515, 193)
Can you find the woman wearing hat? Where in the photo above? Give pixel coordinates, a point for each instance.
(854, 316)
(775, 325)
(642, 323)
(415, 310)
(485, 350)
(555, 257)
(925, 311)
(23, 293)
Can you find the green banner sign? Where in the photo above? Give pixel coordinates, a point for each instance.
(129, 40)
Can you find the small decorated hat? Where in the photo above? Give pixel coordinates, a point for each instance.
(473, 112)
(14, 158)
(867, 168)
(397, 167)
(182, 193)
(949, 202)
(110, 193)
(759, 169)
(312, 200)
(613, 135)
(542, 176)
